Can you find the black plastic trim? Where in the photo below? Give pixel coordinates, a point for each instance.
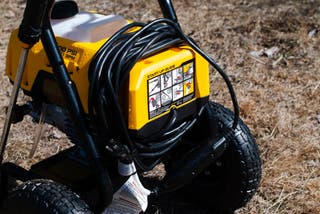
(64, 9)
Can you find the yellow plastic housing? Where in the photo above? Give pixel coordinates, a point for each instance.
(77, 57)
(141, 108)
(148, 102)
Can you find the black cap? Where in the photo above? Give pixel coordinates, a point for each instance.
(64, 9)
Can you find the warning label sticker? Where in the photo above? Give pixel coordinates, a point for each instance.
(166, 96)
(174, 87)
(154, 85)
(154, 102)
(188, 87)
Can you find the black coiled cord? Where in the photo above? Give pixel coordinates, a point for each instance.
(110, 69)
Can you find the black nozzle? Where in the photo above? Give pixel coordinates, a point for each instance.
(168, 10)
(30, 27)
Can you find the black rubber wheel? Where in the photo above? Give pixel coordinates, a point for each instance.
(232, 181)
(43, 196)
(226, 185)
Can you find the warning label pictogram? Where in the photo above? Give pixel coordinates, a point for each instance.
(174, 87)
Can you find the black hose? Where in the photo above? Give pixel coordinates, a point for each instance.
(110, 69)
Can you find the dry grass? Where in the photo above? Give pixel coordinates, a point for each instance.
(279, 95)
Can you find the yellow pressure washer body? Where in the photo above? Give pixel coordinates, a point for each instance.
(176, 77)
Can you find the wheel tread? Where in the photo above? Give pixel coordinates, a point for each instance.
(49, 196)
(248, 151)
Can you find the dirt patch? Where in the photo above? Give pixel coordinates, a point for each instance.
(279, 94)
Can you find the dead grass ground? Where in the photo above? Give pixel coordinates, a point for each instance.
(279, 95)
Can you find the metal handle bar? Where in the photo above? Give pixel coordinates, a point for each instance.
(35, 11)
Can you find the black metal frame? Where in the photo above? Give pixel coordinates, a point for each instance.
(75, 109)
(36, 25)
